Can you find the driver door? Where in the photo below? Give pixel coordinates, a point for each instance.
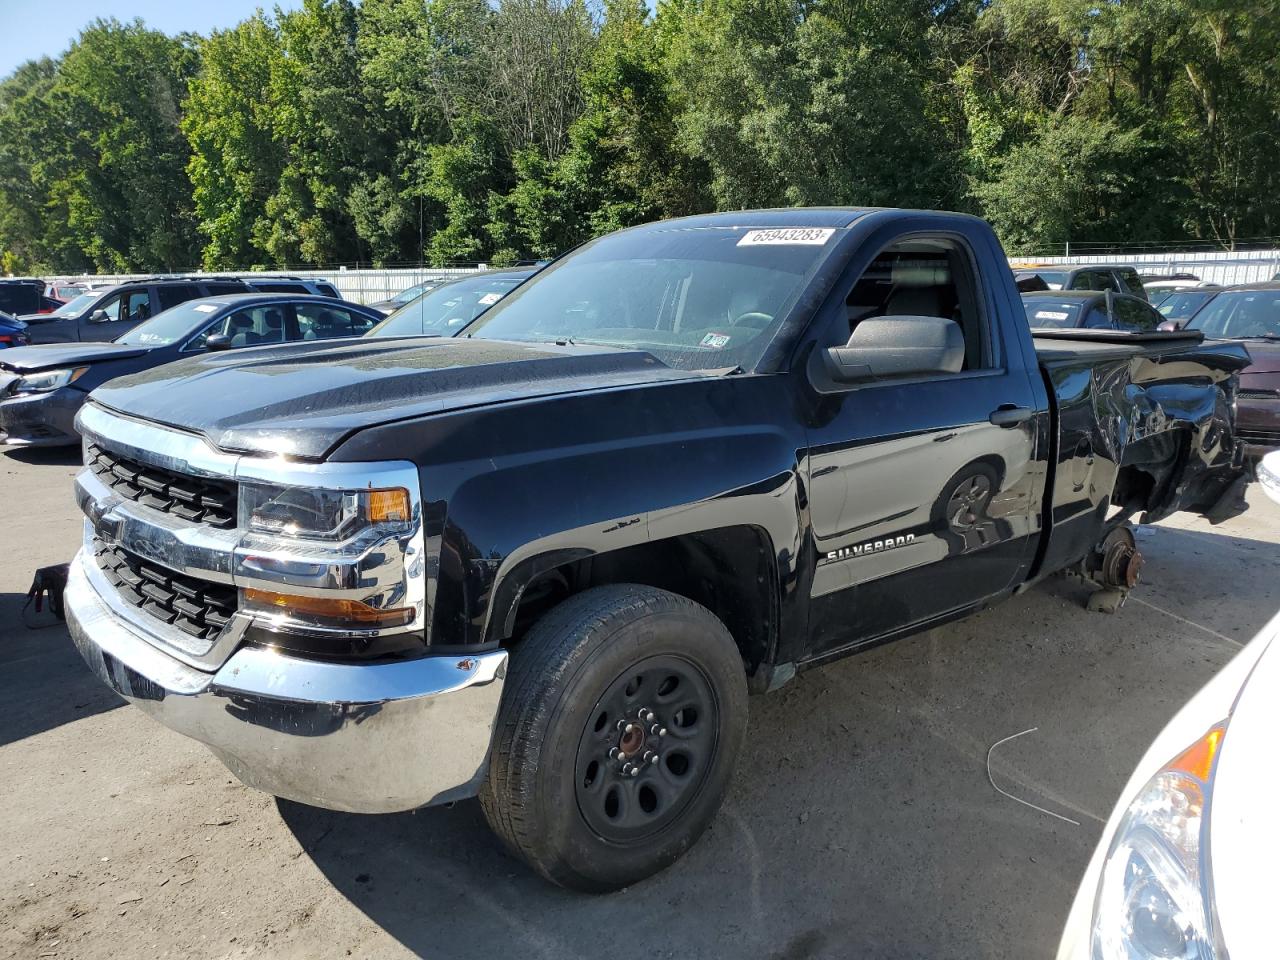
(924, 493)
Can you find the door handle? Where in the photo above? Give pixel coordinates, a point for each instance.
(1008, 415)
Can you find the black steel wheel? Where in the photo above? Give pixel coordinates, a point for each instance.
(621, 719)
(646, 748)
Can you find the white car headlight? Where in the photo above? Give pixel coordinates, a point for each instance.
(49, 380)
(1154, 897)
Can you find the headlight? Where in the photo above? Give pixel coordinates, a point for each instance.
(49, 380)
(307, 513)
(1154, 896)
(340, 559)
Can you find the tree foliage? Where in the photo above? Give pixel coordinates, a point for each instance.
(465, 130)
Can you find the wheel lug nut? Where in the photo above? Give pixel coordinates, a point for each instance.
(662, 732)
(654, 759)
(634, 771)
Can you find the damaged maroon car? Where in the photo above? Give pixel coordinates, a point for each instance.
(1251, 315)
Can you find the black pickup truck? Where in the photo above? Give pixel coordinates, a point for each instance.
(545, 560)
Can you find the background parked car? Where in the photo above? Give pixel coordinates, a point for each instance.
(408, 295)
(18, 297)
(1179, 305)
(105, 315)
(1251, 312)
(13, 332)
(1093, 276)
(446, 309)
(43, 386)
(1068, 309)
(66, 292)
(277, 283)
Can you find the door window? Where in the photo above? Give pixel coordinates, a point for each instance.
(135, 306)
(923, 277)
(256, 326)
(317, 321)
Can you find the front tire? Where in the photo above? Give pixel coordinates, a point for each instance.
(624, 711)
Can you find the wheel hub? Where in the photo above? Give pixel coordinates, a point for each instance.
(647, 746)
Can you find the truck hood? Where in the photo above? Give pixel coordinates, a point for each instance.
(49, 356)
(303, 399)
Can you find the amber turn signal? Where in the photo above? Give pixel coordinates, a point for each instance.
(1198, 758)
(388, 505)
(332, 611)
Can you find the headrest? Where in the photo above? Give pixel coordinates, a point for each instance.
(921, 273)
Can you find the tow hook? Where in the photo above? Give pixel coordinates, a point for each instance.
(1115, 565)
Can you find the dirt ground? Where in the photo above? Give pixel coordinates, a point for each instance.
(861, 823)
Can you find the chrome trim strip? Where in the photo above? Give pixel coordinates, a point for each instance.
(192, 548)
(155, 445)
(365, 738)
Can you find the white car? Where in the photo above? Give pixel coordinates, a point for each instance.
(1185, 866)
(1269, 475)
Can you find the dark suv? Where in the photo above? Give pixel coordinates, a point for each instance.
(18, 297)
(1091, 276)
(103, 315)
(280, 283)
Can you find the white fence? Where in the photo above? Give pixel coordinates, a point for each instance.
(1247, 266)
(1244, 266)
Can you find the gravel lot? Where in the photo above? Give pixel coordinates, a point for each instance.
(861, 822)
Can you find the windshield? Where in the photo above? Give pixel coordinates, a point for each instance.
(1045, 312)
(172, 325)
(694, 297)
(446, 309)
(1181, 304)
(1240, 314)
(73, 308)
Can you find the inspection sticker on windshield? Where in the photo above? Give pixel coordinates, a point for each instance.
(490, 298)
(716, 341)
(789, 236)
(1051, 315)
(205, 307)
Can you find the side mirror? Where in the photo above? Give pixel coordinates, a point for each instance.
(1171, 326)
(99, 316)
(897, 347)
(217, 341)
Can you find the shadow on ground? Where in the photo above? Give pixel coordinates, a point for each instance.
(68, 456)
(43, 681)
(861, 821)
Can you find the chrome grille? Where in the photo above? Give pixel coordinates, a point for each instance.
(197, 499)
(196, 607)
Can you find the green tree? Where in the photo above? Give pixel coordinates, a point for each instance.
(120, 155)
(236, 158)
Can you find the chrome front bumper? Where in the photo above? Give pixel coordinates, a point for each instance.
(365, 738)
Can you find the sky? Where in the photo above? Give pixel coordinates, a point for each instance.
(36, 28)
